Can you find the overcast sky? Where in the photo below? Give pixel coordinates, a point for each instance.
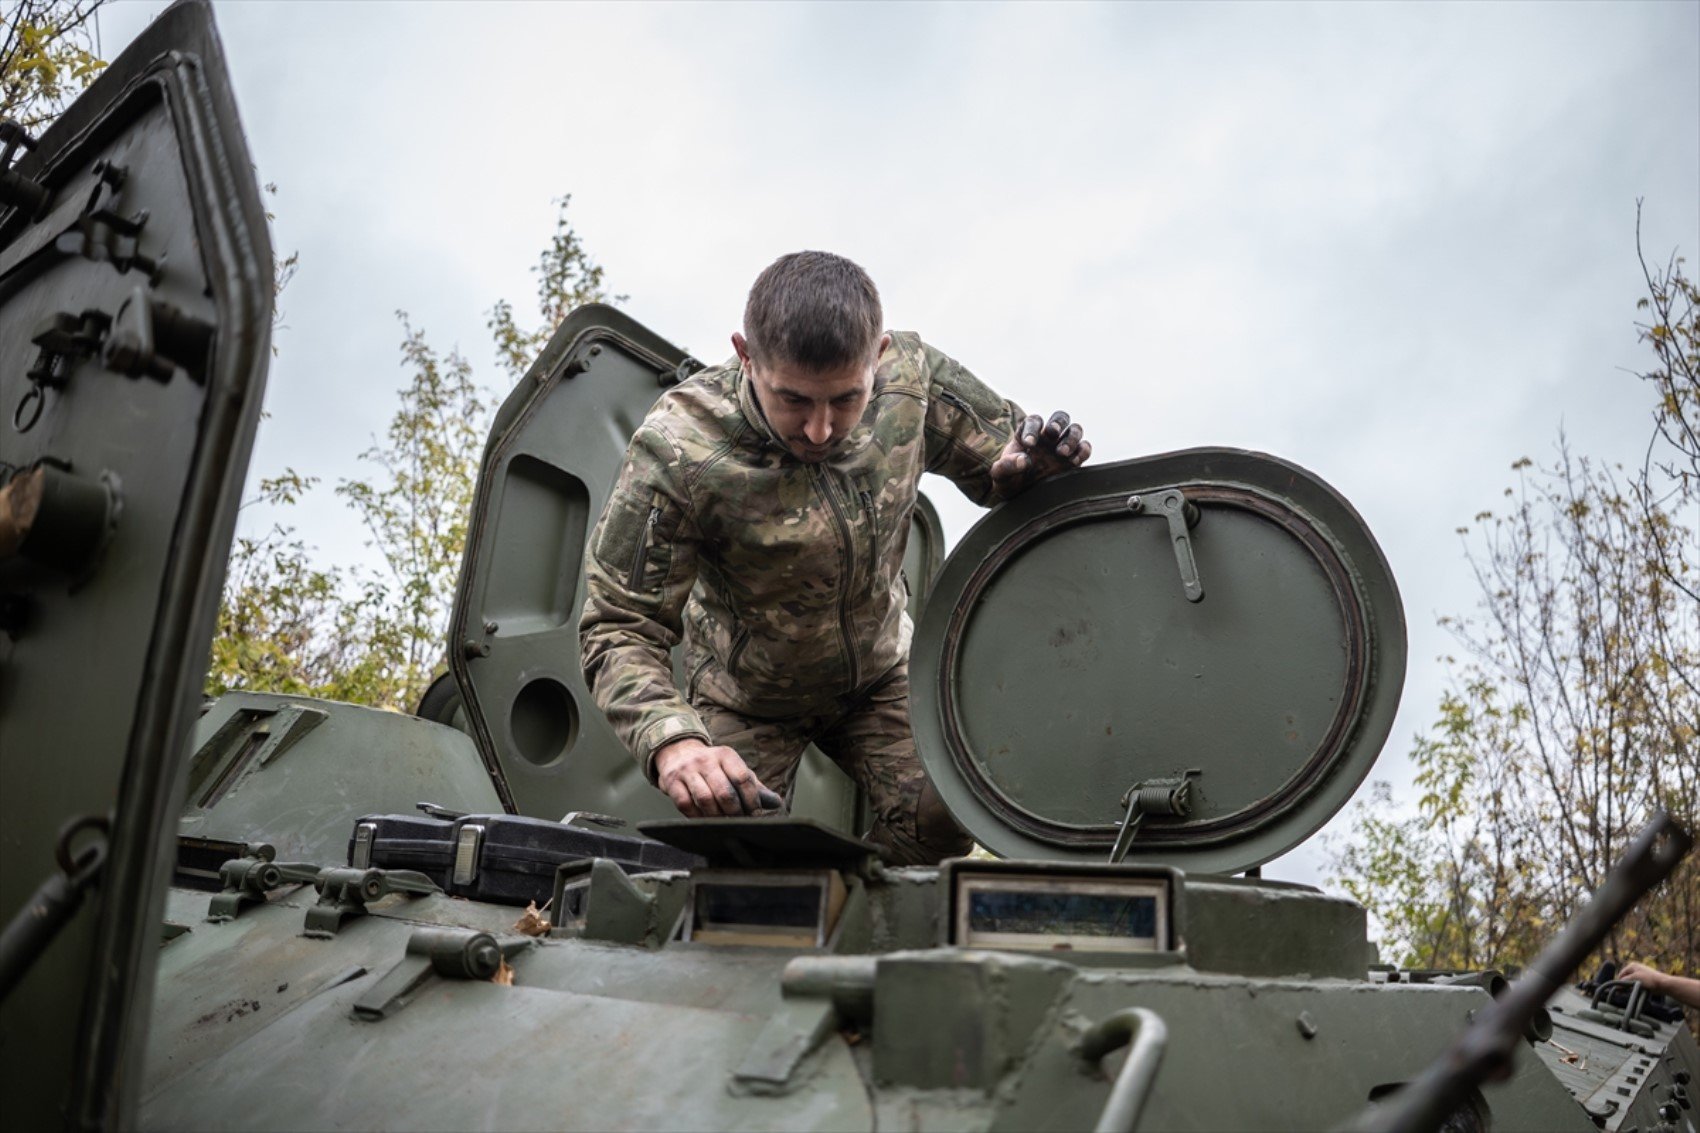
(1392, 243)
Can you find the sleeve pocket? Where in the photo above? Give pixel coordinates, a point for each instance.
(627, 540)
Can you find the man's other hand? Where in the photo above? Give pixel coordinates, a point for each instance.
(1684, 989)
(706, 781)
(1038, 449)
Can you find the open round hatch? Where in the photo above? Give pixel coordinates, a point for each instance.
(1209, 639)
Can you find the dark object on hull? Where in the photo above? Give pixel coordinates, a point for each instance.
(503, 858)
(420, 842)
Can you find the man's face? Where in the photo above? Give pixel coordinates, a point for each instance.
(811, 411)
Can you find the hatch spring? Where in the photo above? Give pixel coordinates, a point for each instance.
(1172, 797)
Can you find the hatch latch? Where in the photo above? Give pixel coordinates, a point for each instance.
(446, 953)
(344, 893)
(1182, 515)
(104, 235)
(62, 338)
(1168, 797)
(249, 880)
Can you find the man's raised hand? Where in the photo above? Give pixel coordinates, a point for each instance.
(1038, 449)
(709, 781)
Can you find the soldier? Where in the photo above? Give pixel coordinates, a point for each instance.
(762, 510)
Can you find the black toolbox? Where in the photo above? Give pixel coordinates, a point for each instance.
(422, 842)
(503, 858)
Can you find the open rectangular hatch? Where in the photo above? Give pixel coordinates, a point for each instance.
(767, 909)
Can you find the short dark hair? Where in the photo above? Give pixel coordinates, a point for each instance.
(814, 310)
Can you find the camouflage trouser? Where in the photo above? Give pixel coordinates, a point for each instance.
(869, 737)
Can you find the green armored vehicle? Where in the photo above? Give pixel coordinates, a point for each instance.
(1133, 685)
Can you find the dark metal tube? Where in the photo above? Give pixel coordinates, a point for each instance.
(32, 928)
(1491, 981)
(27, 935)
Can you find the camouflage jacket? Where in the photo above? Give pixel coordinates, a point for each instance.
(784, 578)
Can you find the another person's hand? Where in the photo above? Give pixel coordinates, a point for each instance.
(708, 781)
(1038, 449)
(1680, 988)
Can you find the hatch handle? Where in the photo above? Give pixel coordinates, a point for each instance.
(1172, 797)
(1630, 1012)
(103, 235)
(1149, 1036)
(686, 367)
(818, 995)
(1182, 515)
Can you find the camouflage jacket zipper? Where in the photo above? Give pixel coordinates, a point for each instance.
(635, 578)
(848, 542)
(873, 530)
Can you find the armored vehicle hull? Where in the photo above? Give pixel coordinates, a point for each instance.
(614, 1025)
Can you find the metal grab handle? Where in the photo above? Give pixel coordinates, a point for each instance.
(1632, 1006)
(1149, 1035)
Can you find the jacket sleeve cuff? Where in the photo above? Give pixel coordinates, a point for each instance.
(663, 732)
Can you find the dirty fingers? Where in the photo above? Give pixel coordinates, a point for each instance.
(710, 781)
(1039, 448)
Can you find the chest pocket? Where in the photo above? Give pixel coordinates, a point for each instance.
(792, 556)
